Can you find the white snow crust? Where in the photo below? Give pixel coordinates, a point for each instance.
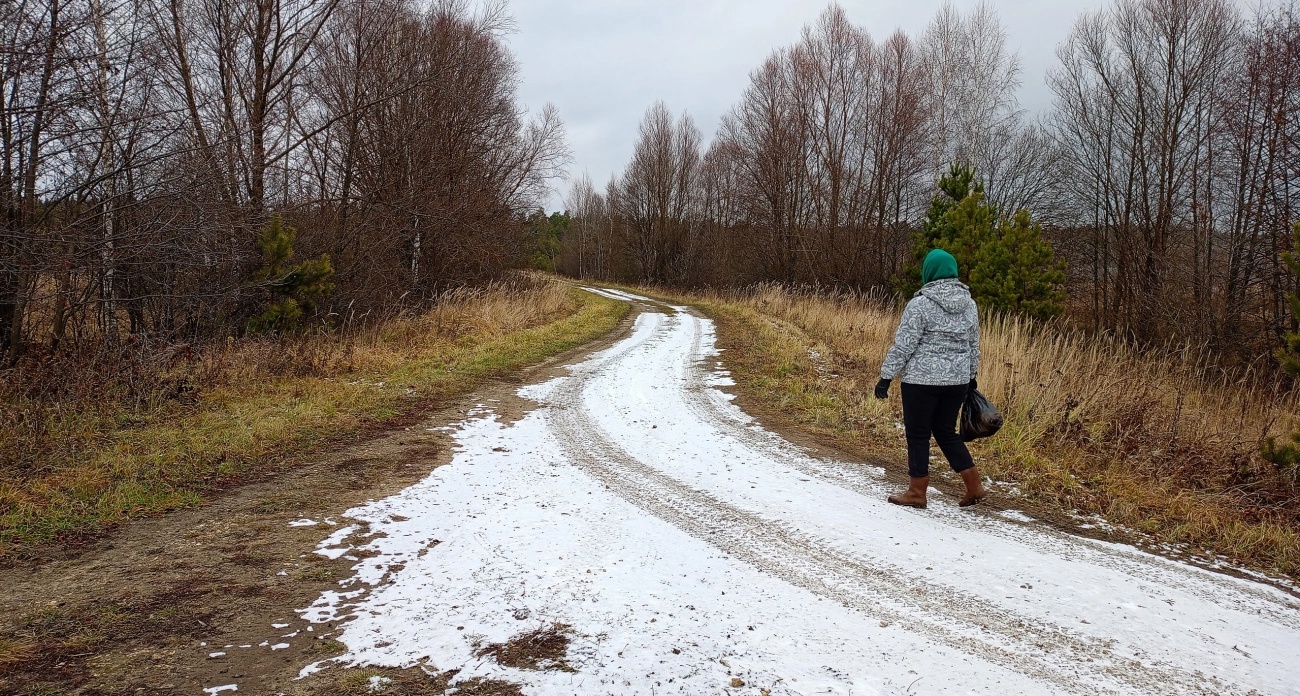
(685, 546)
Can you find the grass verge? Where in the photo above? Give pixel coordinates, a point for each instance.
(1153, 443)
(252, 406)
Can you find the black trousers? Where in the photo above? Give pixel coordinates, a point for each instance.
(929, 410)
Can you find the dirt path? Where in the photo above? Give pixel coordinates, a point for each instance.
(619, 526)
(166, 605)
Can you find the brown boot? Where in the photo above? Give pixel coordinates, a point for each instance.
(915, 494)
(974, 487)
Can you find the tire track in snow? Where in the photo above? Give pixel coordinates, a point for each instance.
(1071, 662)
(813, 557)
(1207, 585)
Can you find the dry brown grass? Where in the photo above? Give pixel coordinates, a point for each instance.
(413, 681)
(54, 407)
(473, 315)
(1156, 443)
(90, 441)
(16, 650)
(541, 649)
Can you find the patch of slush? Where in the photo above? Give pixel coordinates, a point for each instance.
(610, 294)
(513, 536)
(213, 690)
(617, 294)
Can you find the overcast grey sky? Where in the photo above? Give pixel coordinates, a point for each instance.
(603, 62)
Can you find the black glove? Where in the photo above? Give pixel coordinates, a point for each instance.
(973, 384)
(882, 389)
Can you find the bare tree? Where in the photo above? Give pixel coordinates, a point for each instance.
(829, 145)
(656, 197)
(974, 79)
(589, 248)
(1250, 194)
(144, 144)
(767, 133)
(1136, 96)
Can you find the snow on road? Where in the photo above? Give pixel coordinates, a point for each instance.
(686, 547)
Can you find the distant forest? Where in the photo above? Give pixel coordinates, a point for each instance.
(1165, 177)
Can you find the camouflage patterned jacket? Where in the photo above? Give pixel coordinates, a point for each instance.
(938, 341)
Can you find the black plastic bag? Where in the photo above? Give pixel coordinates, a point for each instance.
(979, 417)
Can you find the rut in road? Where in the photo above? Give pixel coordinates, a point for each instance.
(1047, 652)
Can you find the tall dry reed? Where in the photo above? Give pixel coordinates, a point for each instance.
(1154, 440)
(54, 408)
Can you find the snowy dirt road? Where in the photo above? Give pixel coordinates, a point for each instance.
(689, 551)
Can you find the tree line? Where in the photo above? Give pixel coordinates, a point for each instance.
(187, 168)
(1163, 176)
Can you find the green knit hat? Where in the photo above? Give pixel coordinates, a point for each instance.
(938, 265)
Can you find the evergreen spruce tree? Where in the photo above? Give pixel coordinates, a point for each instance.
(292, 291)
(1287, 457)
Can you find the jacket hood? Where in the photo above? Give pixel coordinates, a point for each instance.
(949, 294)
(938, 264)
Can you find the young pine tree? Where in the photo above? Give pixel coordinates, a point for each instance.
(292, 291)
(970, 227)
(1016, 271)
(1287, 457)
(938, 231)
(1007, 263)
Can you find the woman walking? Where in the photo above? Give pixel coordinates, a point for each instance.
(937, 350)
